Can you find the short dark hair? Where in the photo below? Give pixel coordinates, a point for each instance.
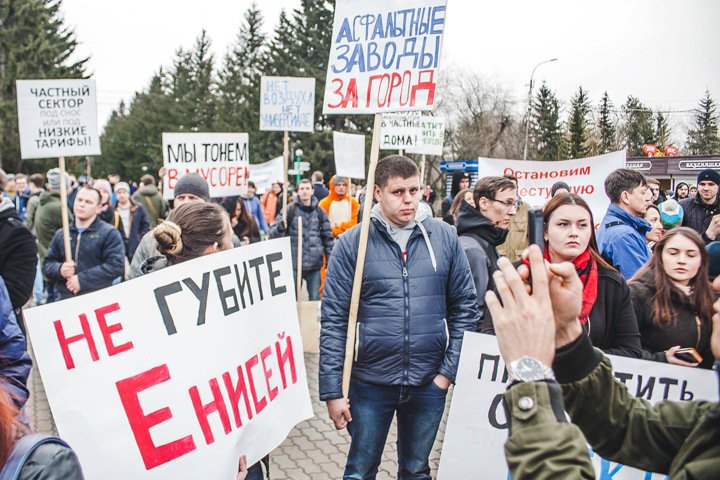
(88, 187)
(623, 180)
(317, 176)
(147, 179)
(251, 184)
(511, 177)
(654, 181)
(394, 166)
(488, 187)
(305, 180)
(38, 180)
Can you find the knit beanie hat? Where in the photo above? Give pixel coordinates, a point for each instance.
(671, 214)
(122, 186)
(557, 186)
(193, 184)
(709, 175)
(53, 179)
(713, 249)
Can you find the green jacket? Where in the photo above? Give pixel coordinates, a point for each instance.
(681, 439)
(48, 220)
(155, 205)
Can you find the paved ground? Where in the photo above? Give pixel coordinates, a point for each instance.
(313, 450)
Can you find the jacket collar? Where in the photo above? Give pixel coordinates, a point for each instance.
(707, 206)
(91, 228)
(470, 220)
(639, 224)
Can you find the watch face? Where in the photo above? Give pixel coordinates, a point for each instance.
(528, 369)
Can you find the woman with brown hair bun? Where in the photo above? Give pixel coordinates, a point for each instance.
(607, 312)
(674, 301)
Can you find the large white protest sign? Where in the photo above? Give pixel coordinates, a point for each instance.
(175, 374)
(477, 426)
(432, 136)
(220, 158)
(384, 56)
(349, 150)
(57, 118)
(287, 104)
(584, 176)
(264, 174)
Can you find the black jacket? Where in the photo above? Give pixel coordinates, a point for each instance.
(98, 253)
(139, 226)
(479, 238)
(685, 330)
(612, 325)
(18, 255)
(697, 215)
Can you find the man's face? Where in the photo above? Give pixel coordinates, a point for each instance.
(464, 183)
(250, 191)
(399, 199)
(122, 196)
(637, 200)
(305, 192)
(341, 188)
(184, 198)
(87, 204)
(501, 209)
(708, 191)
(21, 185)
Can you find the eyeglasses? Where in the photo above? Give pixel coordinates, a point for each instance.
(509, 204)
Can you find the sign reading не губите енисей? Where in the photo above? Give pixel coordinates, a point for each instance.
(177, 373)
(384, 56)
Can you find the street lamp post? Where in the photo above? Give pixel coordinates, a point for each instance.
(529, 106)
(298, 159)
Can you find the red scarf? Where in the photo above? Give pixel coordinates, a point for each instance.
(586, 268)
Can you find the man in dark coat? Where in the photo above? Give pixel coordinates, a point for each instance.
(317, 237)
(702, 212)
(416, 302)
(18, 252)
(98, 254)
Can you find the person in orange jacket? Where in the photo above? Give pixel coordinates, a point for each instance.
(341, 208)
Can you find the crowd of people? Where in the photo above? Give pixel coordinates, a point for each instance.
(643, 281)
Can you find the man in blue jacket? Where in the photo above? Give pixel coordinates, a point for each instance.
(621, 237)
(98, 253)
(416, 302)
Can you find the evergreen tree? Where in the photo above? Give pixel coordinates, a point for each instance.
(34, 43)
(545, 125)
(606, 126)
(703, 138)
(638, 126)
(578, 125)
(663, 131)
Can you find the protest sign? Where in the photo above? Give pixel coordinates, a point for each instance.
(349, 153)
(400, 131)
(176, 373)
(287, 104)
(432, 137)
(264, 174)
(584, 176)
(384, 56)
(220, 158)
(57, 118)
(477, 426)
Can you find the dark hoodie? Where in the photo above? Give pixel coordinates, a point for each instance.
(18, 255)
(454, 190)
(479, 238)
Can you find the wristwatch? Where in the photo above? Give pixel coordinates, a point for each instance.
(528, 369)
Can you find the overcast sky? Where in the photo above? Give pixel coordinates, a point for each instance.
(666, 52)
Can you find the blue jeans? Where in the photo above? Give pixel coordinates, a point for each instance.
(312, 282)
(419, 411)
(255, 472)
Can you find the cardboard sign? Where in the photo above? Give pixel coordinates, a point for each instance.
(177, 373)
(220, 158)
(57, 118)
(264, 174)
(384, 56)
(287, 103)
(477, 427)
(349, 152)
(432, 136)
(584, 176)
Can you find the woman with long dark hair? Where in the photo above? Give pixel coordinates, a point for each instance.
(607, 312)
(243, 223)
(682, 190)
(674, 301)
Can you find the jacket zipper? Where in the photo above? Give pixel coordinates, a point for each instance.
(77, 249)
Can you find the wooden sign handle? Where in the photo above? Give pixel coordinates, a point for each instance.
(64, 210)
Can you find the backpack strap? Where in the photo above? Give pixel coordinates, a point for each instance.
(24, 448)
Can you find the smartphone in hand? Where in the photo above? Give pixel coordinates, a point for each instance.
(536, 228)
(689, 355)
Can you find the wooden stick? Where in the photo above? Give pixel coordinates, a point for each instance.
(286, 156)
(64, 210)
(422, 172)
(299, 256)
(360, 263)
